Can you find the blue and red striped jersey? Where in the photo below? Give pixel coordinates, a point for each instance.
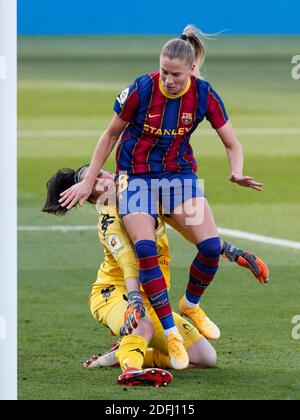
(157, 137)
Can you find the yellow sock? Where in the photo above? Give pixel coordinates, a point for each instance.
(155, 358)
(131, 352)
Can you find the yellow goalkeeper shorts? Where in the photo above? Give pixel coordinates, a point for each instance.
(108, 305)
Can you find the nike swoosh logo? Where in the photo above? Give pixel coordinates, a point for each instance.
(158, 296)
(153, 116)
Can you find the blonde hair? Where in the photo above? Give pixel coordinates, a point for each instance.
(189, 47)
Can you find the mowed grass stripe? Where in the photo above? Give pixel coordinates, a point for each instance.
(223, 231)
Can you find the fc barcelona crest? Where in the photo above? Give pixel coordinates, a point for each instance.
(187, 118)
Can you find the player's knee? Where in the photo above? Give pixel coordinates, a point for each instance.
(211, 248)
(209, 360)
(203, 355)
(145, 249)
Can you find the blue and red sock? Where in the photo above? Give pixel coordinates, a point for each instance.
(153, 282)
(203, 269)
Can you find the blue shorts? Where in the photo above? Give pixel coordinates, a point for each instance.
(155, 193)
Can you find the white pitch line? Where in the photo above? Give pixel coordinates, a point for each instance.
(259, 238)
(228, 232)
(207, 132)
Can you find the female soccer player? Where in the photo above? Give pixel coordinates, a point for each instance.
(110, 301)
(140, 365)
(157, 115)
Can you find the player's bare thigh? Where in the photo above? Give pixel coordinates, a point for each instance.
(196, 218)
(140, 227)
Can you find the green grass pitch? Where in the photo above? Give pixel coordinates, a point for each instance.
(69, 84)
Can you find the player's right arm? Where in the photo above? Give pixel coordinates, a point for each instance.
(81, 192)
(115, 240)
(125, 108)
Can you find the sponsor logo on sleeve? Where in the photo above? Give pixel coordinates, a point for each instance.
(123, 97)
(115, 245)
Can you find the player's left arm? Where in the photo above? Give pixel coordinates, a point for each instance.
(216, 114)
(235, 155)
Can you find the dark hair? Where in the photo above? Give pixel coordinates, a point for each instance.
(61, 181)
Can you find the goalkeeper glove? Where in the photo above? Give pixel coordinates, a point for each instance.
(135, 311)
(257, 267)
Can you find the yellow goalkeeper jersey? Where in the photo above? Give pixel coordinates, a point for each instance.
(120, 261)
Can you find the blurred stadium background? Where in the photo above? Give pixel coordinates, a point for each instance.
(74, 58)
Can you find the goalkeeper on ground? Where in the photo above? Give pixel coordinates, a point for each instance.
(116, 301)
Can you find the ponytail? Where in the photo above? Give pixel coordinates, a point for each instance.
(195, 39)
(189, 47)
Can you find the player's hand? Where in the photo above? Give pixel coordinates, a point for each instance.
(77, 193)
(135, 311)
(258, 267)
(131, 319)
(246, 181)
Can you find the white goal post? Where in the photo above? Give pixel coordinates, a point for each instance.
(8, 202)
